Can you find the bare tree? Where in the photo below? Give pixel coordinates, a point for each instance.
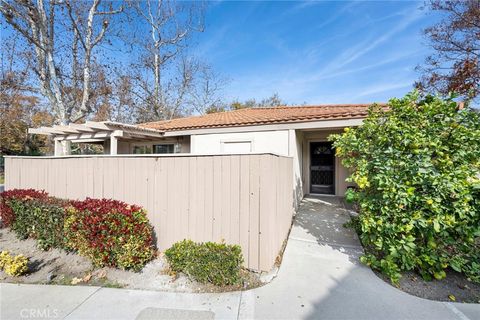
(454, 64)
(175, 92)
(166, 73)
(82, 27)
(112, 98)
(271, 102)
(206, 94)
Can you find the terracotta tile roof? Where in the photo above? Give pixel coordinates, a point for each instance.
(261, 116)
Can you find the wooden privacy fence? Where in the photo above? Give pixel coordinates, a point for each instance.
(242, 199)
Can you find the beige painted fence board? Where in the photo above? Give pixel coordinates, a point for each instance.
(242, 199)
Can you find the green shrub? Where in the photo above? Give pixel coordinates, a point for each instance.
(216, 263)
(417, 168)
(40, 219)
(110, 233)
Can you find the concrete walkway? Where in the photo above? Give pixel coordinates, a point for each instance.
(320, 278)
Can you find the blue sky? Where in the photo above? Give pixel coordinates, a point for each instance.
(316, 52)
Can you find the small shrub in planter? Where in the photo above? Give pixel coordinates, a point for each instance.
(13, 265)
(216, 263)
(40, 219)
(6, 213)
(110, 233)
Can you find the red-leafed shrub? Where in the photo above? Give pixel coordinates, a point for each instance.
(6, 213)
(110, 233)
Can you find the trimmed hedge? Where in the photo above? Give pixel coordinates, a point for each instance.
(216, 263)
(6, 213)
(110, 233)
(40, 219)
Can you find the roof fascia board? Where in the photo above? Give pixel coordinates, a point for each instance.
(323, 124)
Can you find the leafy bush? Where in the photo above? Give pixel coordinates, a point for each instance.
(110, 233)
(417, 167)
(6, 214)
(40, 219)
(4, 258)
(13, 265)
(216, 263)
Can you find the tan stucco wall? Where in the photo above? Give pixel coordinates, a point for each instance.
(296, 151)
(261, 141)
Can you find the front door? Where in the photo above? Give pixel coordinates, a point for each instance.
(322, 168)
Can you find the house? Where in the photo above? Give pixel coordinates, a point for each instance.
(297, 132)
(232, 176)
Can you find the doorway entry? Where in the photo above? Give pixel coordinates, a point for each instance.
(322, 168)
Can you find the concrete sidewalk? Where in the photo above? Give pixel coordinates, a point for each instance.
(320, 278)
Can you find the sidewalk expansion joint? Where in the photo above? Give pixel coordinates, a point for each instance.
(81, 303)
(457, 312)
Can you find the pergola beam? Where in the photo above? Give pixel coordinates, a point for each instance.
(144, 133)
(96, 132)
(82, 136)
(88, 141)
(81, 127)
(38, 131)
(98, 126)
(66, 129)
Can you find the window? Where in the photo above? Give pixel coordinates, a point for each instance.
(163, 148)
(142, 149)
(237, 147)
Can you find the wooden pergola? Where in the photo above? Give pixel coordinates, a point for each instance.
(105, 132)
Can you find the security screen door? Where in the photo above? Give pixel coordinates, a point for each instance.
(322, 168)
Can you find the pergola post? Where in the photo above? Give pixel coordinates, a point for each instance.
(113, 145)
(67, 145)
(58, 148)
(114, 141)
(63, 147)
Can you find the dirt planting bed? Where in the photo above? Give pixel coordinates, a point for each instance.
(57, 266)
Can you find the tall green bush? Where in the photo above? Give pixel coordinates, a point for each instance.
(417, 168)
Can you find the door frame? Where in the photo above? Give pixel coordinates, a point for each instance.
(308, 171)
